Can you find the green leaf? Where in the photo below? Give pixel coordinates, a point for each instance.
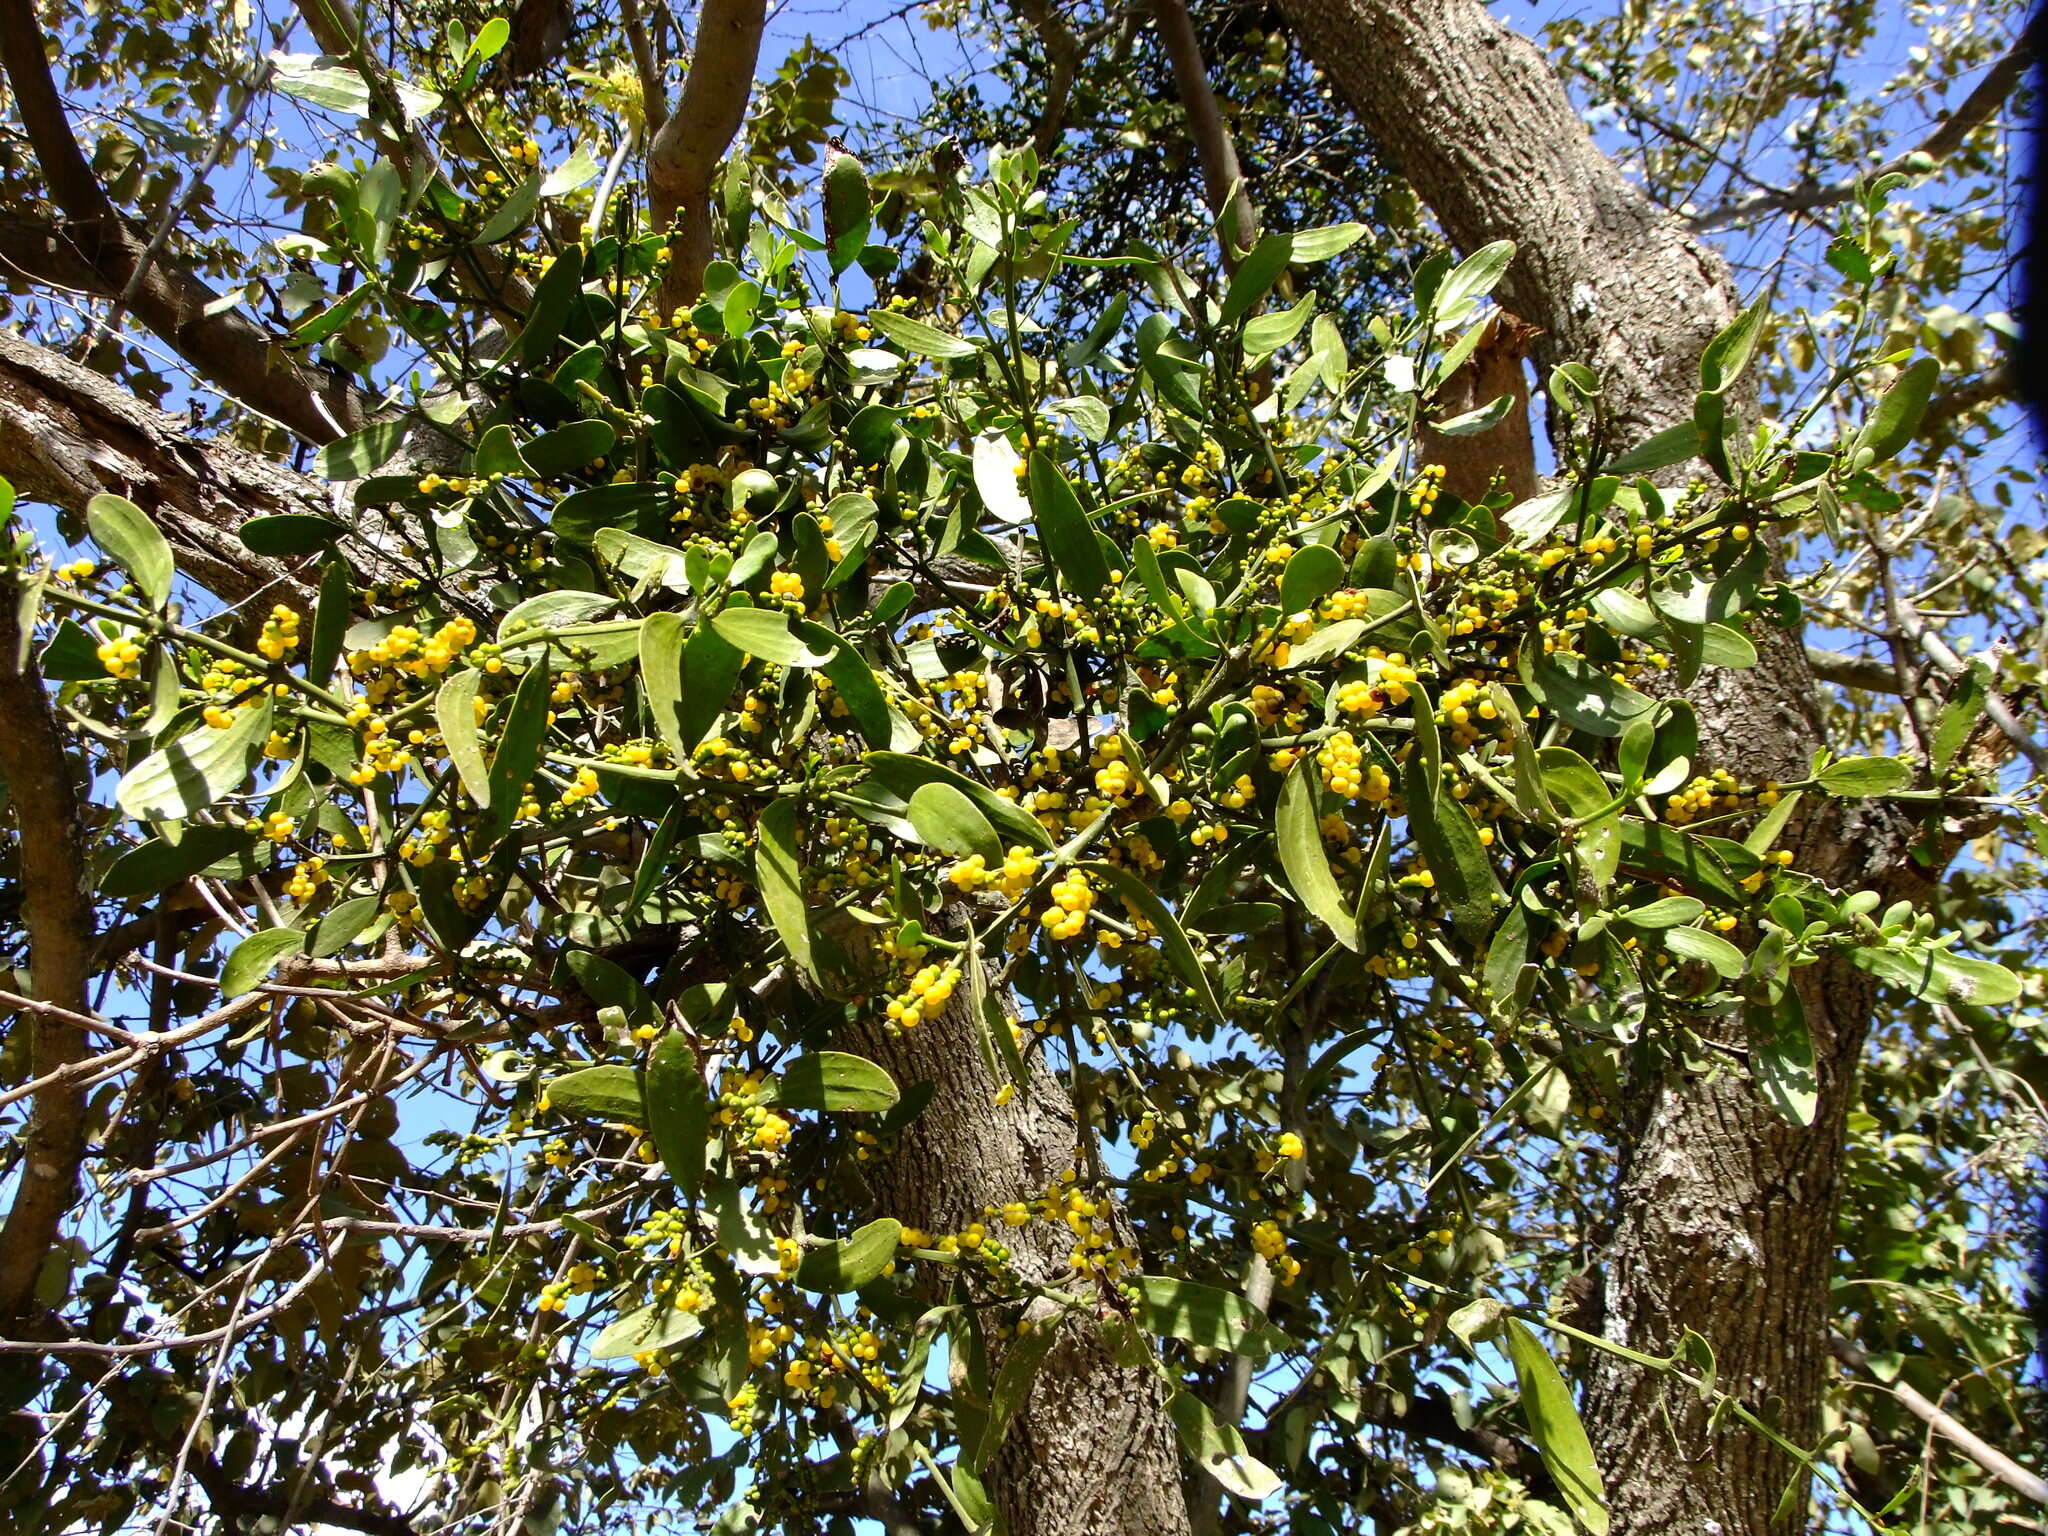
(332, 318)
(848, 210)
(1065, 531)
(578, 170)
(1207, 1316)
(567, 449)
(608, 985)
(853, 1261)
(1255, 276)
(1674, 445)
(530, 619)
(1727, 356)
(1585, 697)
(1897, 414)
(901, 774)
(916, 336)
(995, 478)
(332, 86)
(250, 963)
(1722, 645)
(1219, 1450)
(1312, 573)
(946, 819)
(604, 1093)
(455, 716)
(1939, 975)
(1959, 716)
(1710, 949)
(1330, 640)
(1450, 847)
(1667, 912)
(1506, 953)
(559, 287)
(1859, 778)
(157, 865)
(1712, 867)
(1085, 351)
(765, 632)
(134, 543)
(1698, 597)
(641, 560)
(195, 770)
(678, 1111)
(1308, 246)
(1471, 280)
(1173, 938)
(285, 534)
(341, 924)
(490, 37)
(1781, 1056)
(1576, 786)
(780, 877)
(836, 1080)
(511, 215)
(1298, 834)
(520, 739)
(497, 453)
(1012, 1387)
(330, 620)
(1269, 333)
(662, 640)
(659, 1325)
(1555, 1427)
(710, 667)
(854, 679)
(360, 453)
(1470, 423)
(1625, 613)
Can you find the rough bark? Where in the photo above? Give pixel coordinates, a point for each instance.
(1723, 1213)
(1480, 125)
(685, 153)
(94, 248)
(1092, 1452)
(57, 911)
(67, 434)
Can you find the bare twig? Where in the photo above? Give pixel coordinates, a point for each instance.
(1977, 109)
(1994, 1461)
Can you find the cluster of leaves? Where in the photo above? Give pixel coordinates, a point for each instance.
(774, 677)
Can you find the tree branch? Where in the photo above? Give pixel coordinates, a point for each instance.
(1846, 671)
(653, 98)
(57, 911)
(231, 352)
(67, 434)
(1062, 62)
(1237, 220)
(1977, 109)
(685, 153)
(1994, 1461)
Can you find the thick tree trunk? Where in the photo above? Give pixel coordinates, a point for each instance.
(1092, 1452)
(1724, 1214)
